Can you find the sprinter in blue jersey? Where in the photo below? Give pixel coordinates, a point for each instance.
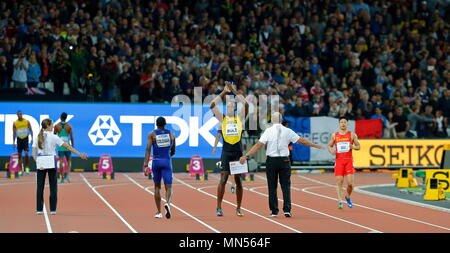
(163, 143)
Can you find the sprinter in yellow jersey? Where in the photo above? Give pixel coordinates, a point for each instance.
(231, 130)
(20, 131)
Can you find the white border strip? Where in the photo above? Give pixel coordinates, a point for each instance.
(106, 202)
(181, 210)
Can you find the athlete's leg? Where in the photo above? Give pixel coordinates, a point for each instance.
(339, 189)
(239, 190)
(158, 196)
(61, 168)
(221, 187)
(20, 159)
(157, 176)
(167, 176)
(168, 193)
(27, 161)
(69, 162)
(350, 180)
(233, 184)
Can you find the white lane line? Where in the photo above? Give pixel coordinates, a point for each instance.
(47, 221)
(106, 202)
(371, 208)
(322, 213)
(181, 210)
(18, 183)
(110, 185)
(245, 209)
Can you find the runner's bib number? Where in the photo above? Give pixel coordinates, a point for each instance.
(343, 147)
(163, 140)
(232, 130)
(23, 132)
(65, 139)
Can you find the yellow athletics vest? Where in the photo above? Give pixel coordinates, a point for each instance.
(231, 129)
(21, 128)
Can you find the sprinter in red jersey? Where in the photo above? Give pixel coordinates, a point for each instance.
(341, 144)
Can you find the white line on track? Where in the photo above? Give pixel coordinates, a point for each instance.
(181, 210)
(247, 210)
(109, 205)
(110, 185)
(371, 230)
(47, 221)
(370, 208)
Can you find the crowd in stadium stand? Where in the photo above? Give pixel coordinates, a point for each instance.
(363, 59)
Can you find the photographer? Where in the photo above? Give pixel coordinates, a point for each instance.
(59, 71)
(20, 64)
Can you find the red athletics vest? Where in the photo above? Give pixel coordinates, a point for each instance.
(342, 143)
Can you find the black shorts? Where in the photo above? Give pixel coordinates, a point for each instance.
(22, 145)
(228, 157)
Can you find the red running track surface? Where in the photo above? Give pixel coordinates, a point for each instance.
(126, 204)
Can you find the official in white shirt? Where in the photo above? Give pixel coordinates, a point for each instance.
(45, 149)
(277, 138)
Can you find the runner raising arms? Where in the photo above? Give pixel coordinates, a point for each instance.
(231, 130)
(344, 142)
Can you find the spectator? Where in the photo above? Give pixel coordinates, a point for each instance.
(334, 109)
(78, 64)
(299, 110)
(317, 90)
(403, 124)
(20, 70)
(440, 125)
(380, 47)
(317, 106)
(59, 72)
(425, 127)
(125, 83)
(390, 132)
(378, 115)
(4, 73)
(444, 103)
(145, 85)
(34, 72)
(108, 78)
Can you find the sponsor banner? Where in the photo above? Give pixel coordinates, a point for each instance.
(119, 130)
(395, 152)
(317, 130)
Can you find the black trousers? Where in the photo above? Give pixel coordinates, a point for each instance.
(52, 178)
(279, 168)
